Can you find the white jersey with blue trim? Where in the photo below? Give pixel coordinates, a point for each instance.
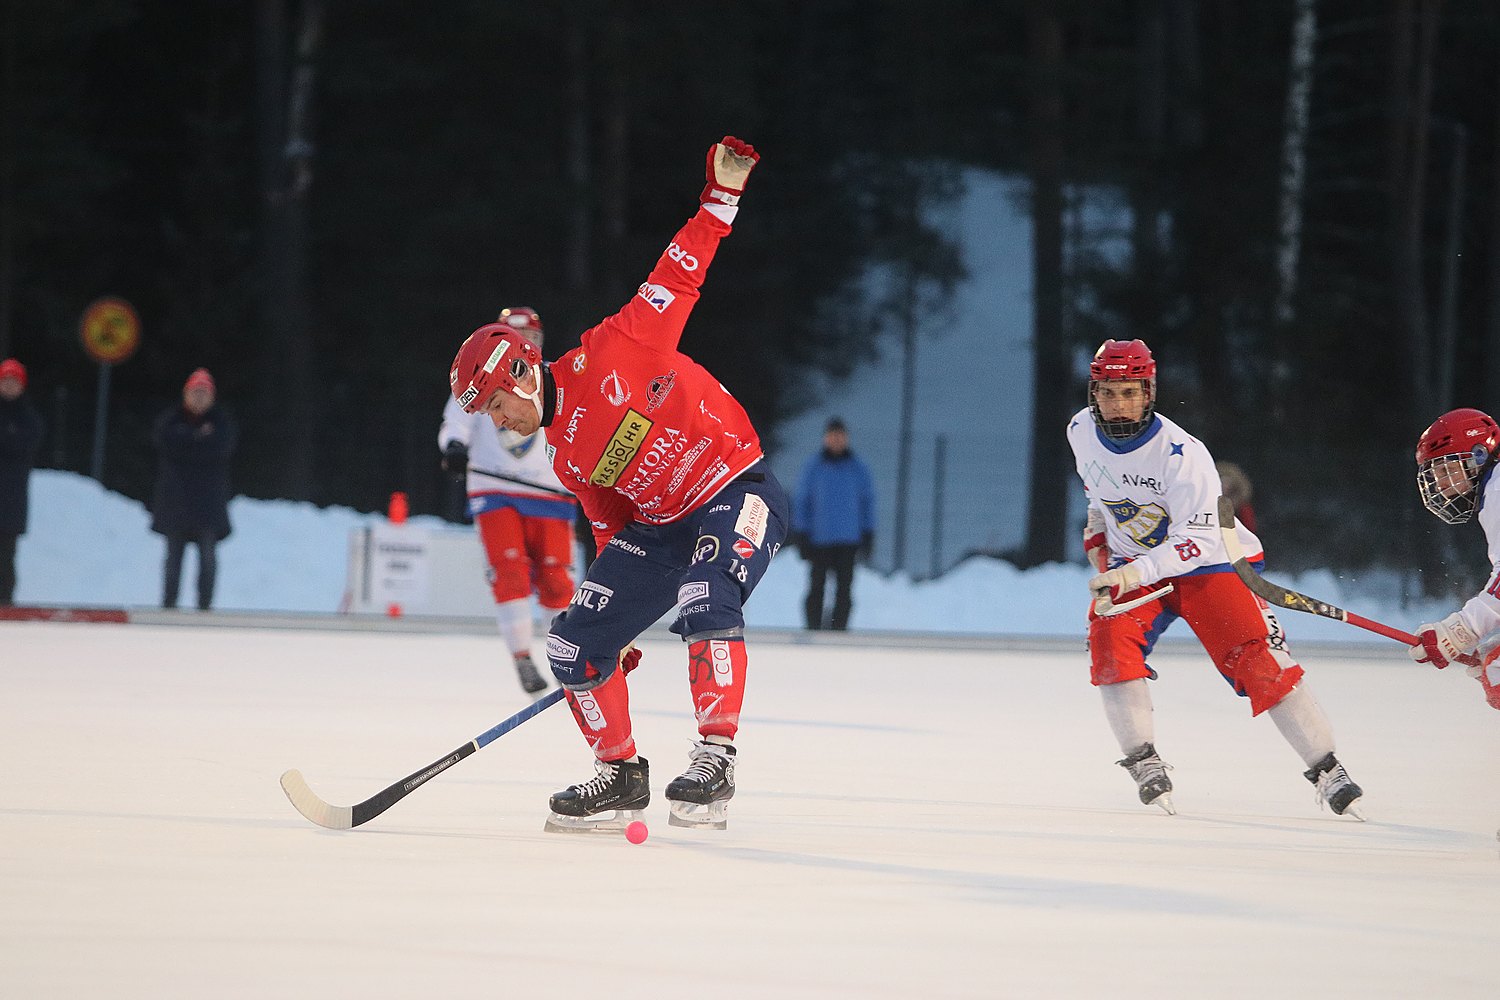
(1482, 612)
(521, 456)
(1159, 495)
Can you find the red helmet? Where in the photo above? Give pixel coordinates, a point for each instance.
(1452, 455)
(1123, 361)
(494, 358)
(525, 319)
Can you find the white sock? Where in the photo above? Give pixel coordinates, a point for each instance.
(1128, 707)
(1302, 722)
(514, 619)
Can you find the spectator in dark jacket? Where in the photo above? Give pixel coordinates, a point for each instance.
(20, 436)
(194, 441)
(833, 522)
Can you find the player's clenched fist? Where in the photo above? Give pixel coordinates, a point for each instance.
(1444, 642)
(729, 166)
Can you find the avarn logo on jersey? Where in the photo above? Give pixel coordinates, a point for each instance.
(1146, 525)
(622, 447)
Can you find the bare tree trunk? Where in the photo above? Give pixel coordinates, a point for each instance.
(7, 176)
(1294, 157)
(1051, 401)
(1492, 281)
(286, 157)
(579, 250)
(615, 182)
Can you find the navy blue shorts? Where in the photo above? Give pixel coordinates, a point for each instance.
(705, 565)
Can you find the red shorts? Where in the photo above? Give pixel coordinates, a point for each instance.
(526, 554)
(1237, 629)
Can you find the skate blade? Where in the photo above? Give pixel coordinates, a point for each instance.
(713, 816)
(1353, 811)
(1164, 800)
(615, 823)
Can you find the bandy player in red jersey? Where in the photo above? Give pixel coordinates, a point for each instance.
(685, 512)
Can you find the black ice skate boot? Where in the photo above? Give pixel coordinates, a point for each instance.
(1335, 787)
(1150, 776)
(605, 803)
(532, 682)
(700, 795)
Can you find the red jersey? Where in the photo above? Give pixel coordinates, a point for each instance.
(640, 430)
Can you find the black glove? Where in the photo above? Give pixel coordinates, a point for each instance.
(866, 548)
(456, 460)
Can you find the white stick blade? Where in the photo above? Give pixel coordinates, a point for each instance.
(315, 809)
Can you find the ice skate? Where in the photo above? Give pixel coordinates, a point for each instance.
(1150, 776)
(605, 803)
(700, 795)
(532, 682)
(1335, 787)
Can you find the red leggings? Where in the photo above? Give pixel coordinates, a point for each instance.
(527, 552)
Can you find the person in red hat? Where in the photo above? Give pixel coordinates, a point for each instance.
(194, 443)
(20, 437)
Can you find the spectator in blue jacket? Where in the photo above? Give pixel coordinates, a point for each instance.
(833, 523)
(20, 436)
(194, 441)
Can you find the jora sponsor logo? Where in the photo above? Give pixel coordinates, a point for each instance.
(622, 447)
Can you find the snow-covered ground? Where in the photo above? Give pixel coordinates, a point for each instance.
(88, 546)
(921, 821)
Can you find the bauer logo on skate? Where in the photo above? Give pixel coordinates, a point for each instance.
(622, 447)
(655, 295)
(1146, 525)
(563, 652)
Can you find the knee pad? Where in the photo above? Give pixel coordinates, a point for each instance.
(553, 586)
(510, 577)
(577, 668)
(1260, 673)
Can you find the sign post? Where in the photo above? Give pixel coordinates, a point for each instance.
(110, 331)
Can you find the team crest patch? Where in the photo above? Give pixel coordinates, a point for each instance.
(1145, 524)
(580, 362)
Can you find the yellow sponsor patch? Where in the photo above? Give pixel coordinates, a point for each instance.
(622, 447)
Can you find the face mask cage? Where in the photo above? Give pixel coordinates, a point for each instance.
(1123, 430)
(1448, 484)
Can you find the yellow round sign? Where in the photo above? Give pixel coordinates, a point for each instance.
(110, 330)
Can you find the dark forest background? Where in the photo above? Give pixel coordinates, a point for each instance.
(318, 200)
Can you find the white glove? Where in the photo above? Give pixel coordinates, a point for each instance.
(1444, 642)
(1122, 580)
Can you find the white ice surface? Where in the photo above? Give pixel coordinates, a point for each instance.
(910, 823)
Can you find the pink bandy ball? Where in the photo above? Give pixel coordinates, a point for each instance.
(636, 832)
